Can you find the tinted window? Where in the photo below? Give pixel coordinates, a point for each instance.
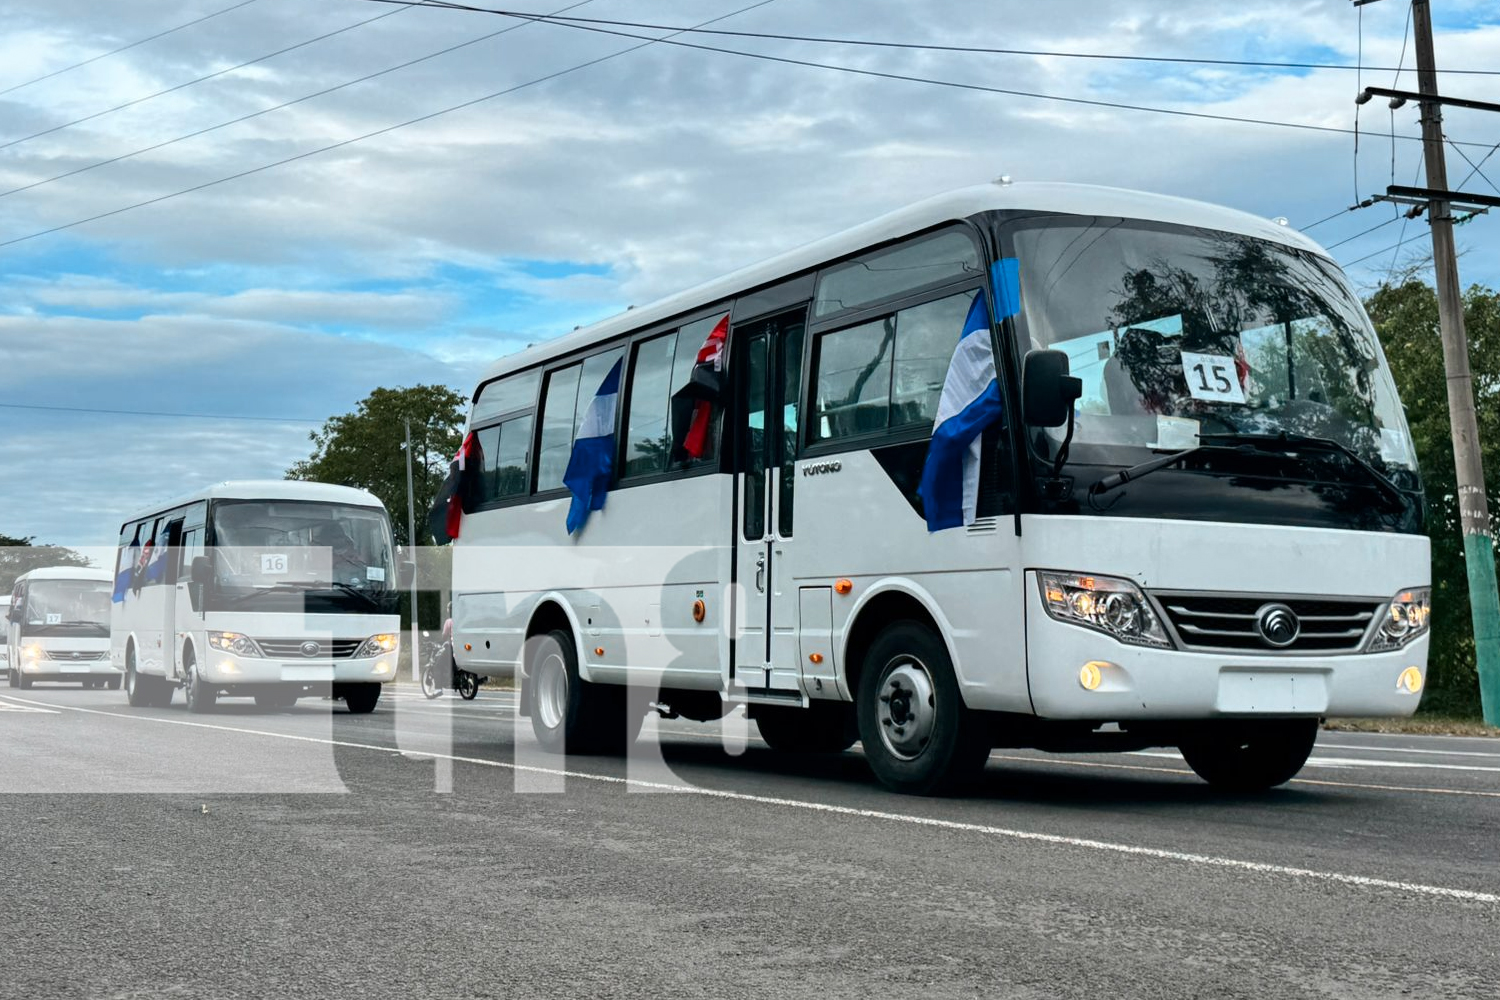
(887, 373)
(504, 450)
(518, 392)
(648, 436)
(570, 391)
(948, 256)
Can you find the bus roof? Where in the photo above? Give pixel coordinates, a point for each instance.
(1049, 198)
(267, 489)
(67, 573)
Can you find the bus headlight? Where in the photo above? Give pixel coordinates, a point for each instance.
(33, 653)
(385, 642)
(1110, 605)
(1408, 616)
(233, 642)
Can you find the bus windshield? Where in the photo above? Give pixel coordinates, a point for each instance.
(67, 607)
(286, 545)
(1178, 331)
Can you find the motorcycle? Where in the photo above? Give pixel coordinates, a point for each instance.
(440, 667)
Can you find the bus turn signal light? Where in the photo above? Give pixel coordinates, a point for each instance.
(598, 650)
(699, 610)
(815, 657)
(843, 586)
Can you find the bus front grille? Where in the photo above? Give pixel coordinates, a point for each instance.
(1230, 621)
(75, 656)
(292, 649)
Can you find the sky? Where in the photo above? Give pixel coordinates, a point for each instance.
(606, 173)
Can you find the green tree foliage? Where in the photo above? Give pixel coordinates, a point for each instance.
(1406, 317)
(22, 555)
(364, 449)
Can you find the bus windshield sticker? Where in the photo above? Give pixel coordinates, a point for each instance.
(273, 564)
(1212, 378)
(53, 618)
(375, 573)
(1175, 433)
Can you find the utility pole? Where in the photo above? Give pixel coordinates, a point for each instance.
(411, 553)
(1474, 509)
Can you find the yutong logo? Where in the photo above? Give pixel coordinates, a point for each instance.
(1278, 625)
(311, 648)
(821, 468)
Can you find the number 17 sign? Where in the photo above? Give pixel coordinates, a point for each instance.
(1212, 378)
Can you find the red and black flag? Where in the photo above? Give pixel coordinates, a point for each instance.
(693, 404)
(448, 507)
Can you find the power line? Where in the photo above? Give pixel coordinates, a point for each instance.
(368, 135)
(275, 107)
(1367, 232)
(160, 413)
(403, 5)
(122, 48)
(980, 88)
(977, 49)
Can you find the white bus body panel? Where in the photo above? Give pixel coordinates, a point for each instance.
(627, 581)
(1147, 683)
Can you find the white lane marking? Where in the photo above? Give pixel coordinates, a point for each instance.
(1321, 761)
(1441, 753)
(6, 706)
(1064, 762)
(930, 822)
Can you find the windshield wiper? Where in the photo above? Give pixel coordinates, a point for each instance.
(1115, 481)
(360, 592)
(279, 588)
(98, 625)
(1287, 442)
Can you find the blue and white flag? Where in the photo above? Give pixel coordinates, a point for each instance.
(970, 402)
(593, 459)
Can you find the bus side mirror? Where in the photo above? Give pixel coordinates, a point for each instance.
(1048, 392)
(406, 574)
(201, 572)
(15, 613)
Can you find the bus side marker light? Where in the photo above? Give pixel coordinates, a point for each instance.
(700, 610)
(467, 647)
(598, 650)
(1410, 681)
(815, 657)
(843, 586)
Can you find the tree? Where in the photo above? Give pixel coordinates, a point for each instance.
(22, 555)
(364, 449)
(1406, 318)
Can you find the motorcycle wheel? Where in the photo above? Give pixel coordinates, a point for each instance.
(467, 685)
(430, 687)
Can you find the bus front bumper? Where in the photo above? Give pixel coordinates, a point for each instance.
(227, 669)
(1138, 682)
(64, 671)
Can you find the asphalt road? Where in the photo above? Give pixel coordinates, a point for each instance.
(428, 850)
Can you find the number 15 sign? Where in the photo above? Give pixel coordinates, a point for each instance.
(1212, 378)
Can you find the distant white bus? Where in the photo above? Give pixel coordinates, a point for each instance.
(269, 589)
(1196, 521)
(5, 646)
(58, 628)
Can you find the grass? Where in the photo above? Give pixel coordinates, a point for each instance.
(1423, 724)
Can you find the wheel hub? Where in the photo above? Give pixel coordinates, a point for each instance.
(908, 708)
(552, 690)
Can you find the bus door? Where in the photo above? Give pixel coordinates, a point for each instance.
(768, 358)
(171, 537)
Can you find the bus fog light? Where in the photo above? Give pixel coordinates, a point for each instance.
(228, 667)
(1107, 604)
(1410, 681)
(382, 667)
(1091, 675)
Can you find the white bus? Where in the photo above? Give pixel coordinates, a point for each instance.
(1207, 536)
(269, 589)
(58, 628)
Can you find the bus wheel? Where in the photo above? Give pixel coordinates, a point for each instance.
(918, 735)
(570, 715)
(822, 727)
(1251, 757)
(10, 678)
(199, 696)
(138, 689)
(360, 699)
(23, 682)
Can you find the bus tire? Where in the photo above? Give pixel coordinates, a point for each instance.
(10, 678)
(199, 696)
(918, 735)
(822, 727)
(361, 699)
(23, 682)
(1251, 757)
(570, 715)
(113, 683)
